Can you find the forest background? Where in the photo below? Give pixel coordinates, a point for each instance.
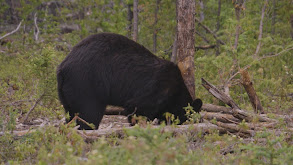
(229, 35)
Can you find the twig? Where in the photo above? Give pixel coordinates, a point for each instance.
(32, 108)
(36, 31)
(210, 31)
(12, 31)
(275, 54)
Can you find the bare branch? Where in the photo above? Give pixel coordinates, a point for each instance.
(12, 31)
(219, 94)
(209, 30)
(202, 36)
(275, 54)
(204, 47)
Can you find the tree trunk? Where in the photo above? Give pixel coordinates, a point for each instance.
(237, 33)
(218, 16)
(129, 19)
(185, 42)
(274, 17)
(201, 13)
(135, 20)
(155, 28)
(246, 82)
(260, 28)
(218, 27)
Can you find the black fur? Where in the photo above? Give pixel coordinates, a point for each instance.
(109, 69)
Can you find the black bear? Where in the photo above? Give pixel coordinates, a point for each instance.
(110, 69)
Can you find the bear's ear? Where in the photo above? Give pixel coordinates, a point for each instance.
(196, 104)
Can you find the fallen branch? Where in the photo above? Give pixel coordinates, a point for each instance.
(91, 135)
(219, 94)
(237, 113)
(224, 118)
(12, 31)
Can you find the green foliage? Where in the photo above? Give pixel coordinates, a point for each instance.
(192, 116)
(28, 71)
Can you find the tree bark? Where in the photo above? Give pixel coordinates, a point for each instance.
(247, 84)
(185, 42)
(135, 20)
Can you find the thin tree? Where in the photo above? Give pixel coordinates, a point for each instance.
(129, 19)
(274, 17)
(155, 32)
(260, 28)
(135, 20)
(185, 42)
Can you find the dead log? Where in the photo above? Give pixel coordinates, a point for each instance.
(235, 128)
(248, 86)
(216, 108)
(236, 111)
(91, 135)
(224, 118)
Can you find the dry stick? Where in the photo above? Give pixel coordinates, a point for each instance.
(275, 54)
(36, 31)
(32, 108)
(210, 31)
(12, 31)
(248, 86)
(260, 28)
(76, 117)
